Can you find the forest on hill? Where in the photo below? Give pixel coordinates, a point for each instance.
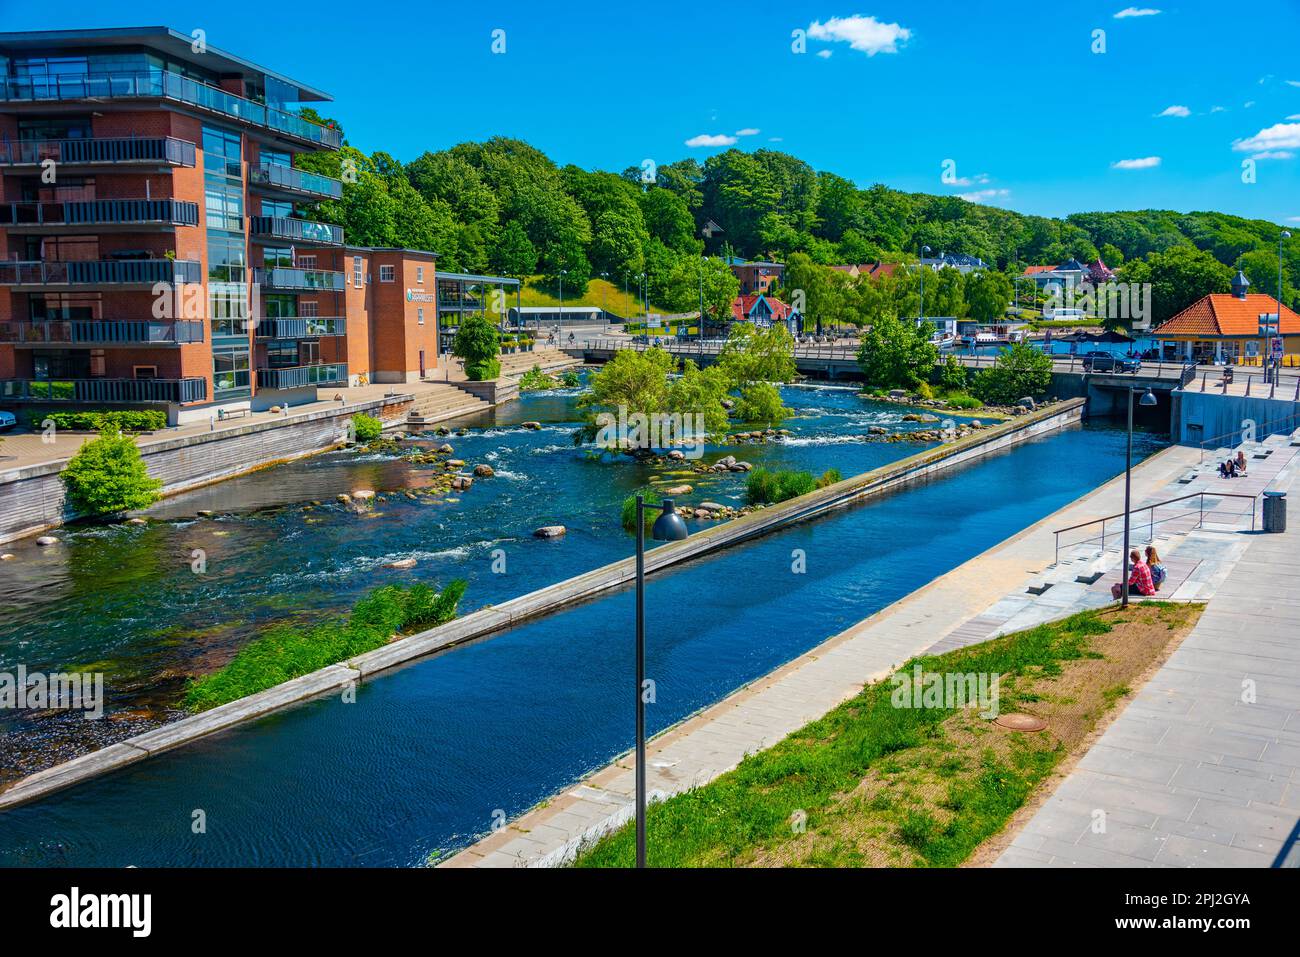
(504, 207)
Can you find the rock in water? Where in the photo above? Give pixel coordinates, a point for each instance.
(678, 490)
(362, 494)
(531, 425)
(402, 563)
(484, 471)
(550, 531)
(136, 521)
(47, 540)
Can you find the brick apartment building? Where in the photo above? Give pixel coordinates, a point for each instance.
(154, 247)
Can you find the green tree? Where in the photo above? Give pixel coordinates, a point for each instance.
(631, 382)
(757, 355)
(107, 476)
(479, 345)
(1178, 277)
(514, 255)
(988, 293)
(1018, 372)
(897, 353)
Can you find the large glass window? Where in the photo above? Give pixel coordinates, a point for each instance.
(230, 372)
(228, 309)
(221, 153)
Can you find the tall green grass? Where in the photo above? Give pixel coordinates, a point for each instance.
(764, 487)
(290, 651)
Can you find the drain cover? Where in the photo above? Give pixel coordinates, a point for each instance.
(1021, 722)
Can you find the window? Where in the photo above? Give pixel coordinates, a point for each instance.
(419, 315)
(97, 364)
(308, 310)
(307, 262)
(385, 273)
(357, 272)
(145, 372)
(419, 274)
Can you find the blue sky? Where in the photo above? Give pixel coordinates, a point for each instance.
(1011, 92)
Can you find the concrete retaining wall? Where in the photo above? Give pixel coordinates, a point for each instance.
(31, 498)
(1204, 416)
(544, 601)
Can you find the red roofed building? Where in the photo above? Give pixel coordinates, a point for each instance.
(763, 311)
(1231, 327)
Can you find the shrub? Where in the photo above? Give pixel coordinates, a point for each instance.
(139, 420)
(107, 476)
(483, 370)
(767, 488)
(760, 404)
(925, 390)
(629, 508)
(1019, 371)
(829, 477)
(289, 651)
(570, 378)
(535, 380)
(953, 376)
(960, 400)
(366, 428)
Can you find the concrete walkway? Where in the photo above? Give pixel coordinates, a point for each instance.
(1202, 769)
(760, 714)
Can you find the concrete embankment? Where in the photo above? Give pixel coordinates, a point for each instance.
(493, 619)
(32, 500)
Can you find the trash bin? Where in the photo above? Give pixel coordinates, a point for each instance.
(1275, 511)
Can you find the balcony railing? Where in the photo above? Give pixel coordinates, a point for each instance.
(295, 181)
(103, 390)
(303, 328)
(101, 212)
(295, 230)
(101, 332)
(299, 377)
(284, 277)
(100, 272)
(170, 86)
(100, 150)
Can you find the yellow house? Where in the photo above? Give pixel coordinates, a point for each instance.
(1239, 328)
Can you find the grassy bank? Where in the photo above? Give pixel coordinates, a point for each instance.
(290, 651)
(874, 784)
(600, 293)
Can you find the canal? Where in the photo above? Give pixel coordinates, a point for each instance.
(424, 758)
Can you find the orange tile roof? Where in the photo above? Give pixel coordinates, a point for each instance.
(1031, 270)
(1223, 314)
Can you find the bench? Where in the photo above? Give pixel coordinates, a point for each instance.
(1189, 477)
(224, 414)
(1038, 587)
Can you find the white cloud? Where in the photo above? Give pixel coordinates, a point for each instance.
(711, 139)
(1136, 12)
(1279, 136)
(1274, 155)
(1175, 111)
(1217, 109)
(984, 195)
(1293, 219)
(1293, 82)
(864, 34)
(1248, 104)
(1294, 116)
(776, 139)
(748, 131)
(1145, 162)
(824, 54)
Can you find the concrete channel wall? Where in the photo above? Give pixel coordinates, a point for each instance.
(487, 621)
(31, 498)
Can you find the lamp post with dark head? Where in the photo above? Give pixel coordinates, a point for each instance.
(668, 527)
(1148, 399)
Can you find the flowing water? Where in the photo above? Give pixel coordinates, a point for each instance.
(426, 757)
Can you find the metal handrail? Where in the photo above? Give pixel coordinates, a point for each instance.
(1151, 517)
(1216, 440)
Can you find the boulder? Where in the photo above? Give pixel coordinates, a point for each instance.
(445, 449)
(461, 483)
(484, 471)
(677, 455)
(205, 512)
(678, 490)
(136, 521)
(534, 426)
(47, 540)
(741, 467)
(1027, 402)
(550, 531)
(7, 557)
(345, 498)
(703, 513)
(362, 494)
(402, 563)
(727, 460)
(711, 506)
(455, 463)
(877, 430)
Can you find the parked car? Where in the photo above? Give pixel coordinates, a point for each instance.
(1106, 362)
(7, 421)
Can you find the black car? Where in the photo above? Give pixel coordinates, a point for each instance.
(1106, 362)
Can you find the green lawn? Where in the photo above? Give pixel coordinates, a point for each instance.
(602, 294)
(873, 784)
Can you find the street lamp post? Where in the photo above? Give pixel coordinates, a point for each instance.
(668, 527)
(924, 250)
(1280, 240)
(563, 273)
(1148, 399)
(604, 304)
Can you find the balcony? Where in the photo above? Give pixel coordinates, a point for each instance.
(100, 272)
(160, 84)
(100, 151)
(100, 332)
(284, 277)
(98, 212)
(296, 181)
(103, 390)
(300, 377)
(295, 230)
(303, 328)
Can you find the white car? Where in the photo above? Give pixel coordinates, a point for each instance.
(7, 421)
